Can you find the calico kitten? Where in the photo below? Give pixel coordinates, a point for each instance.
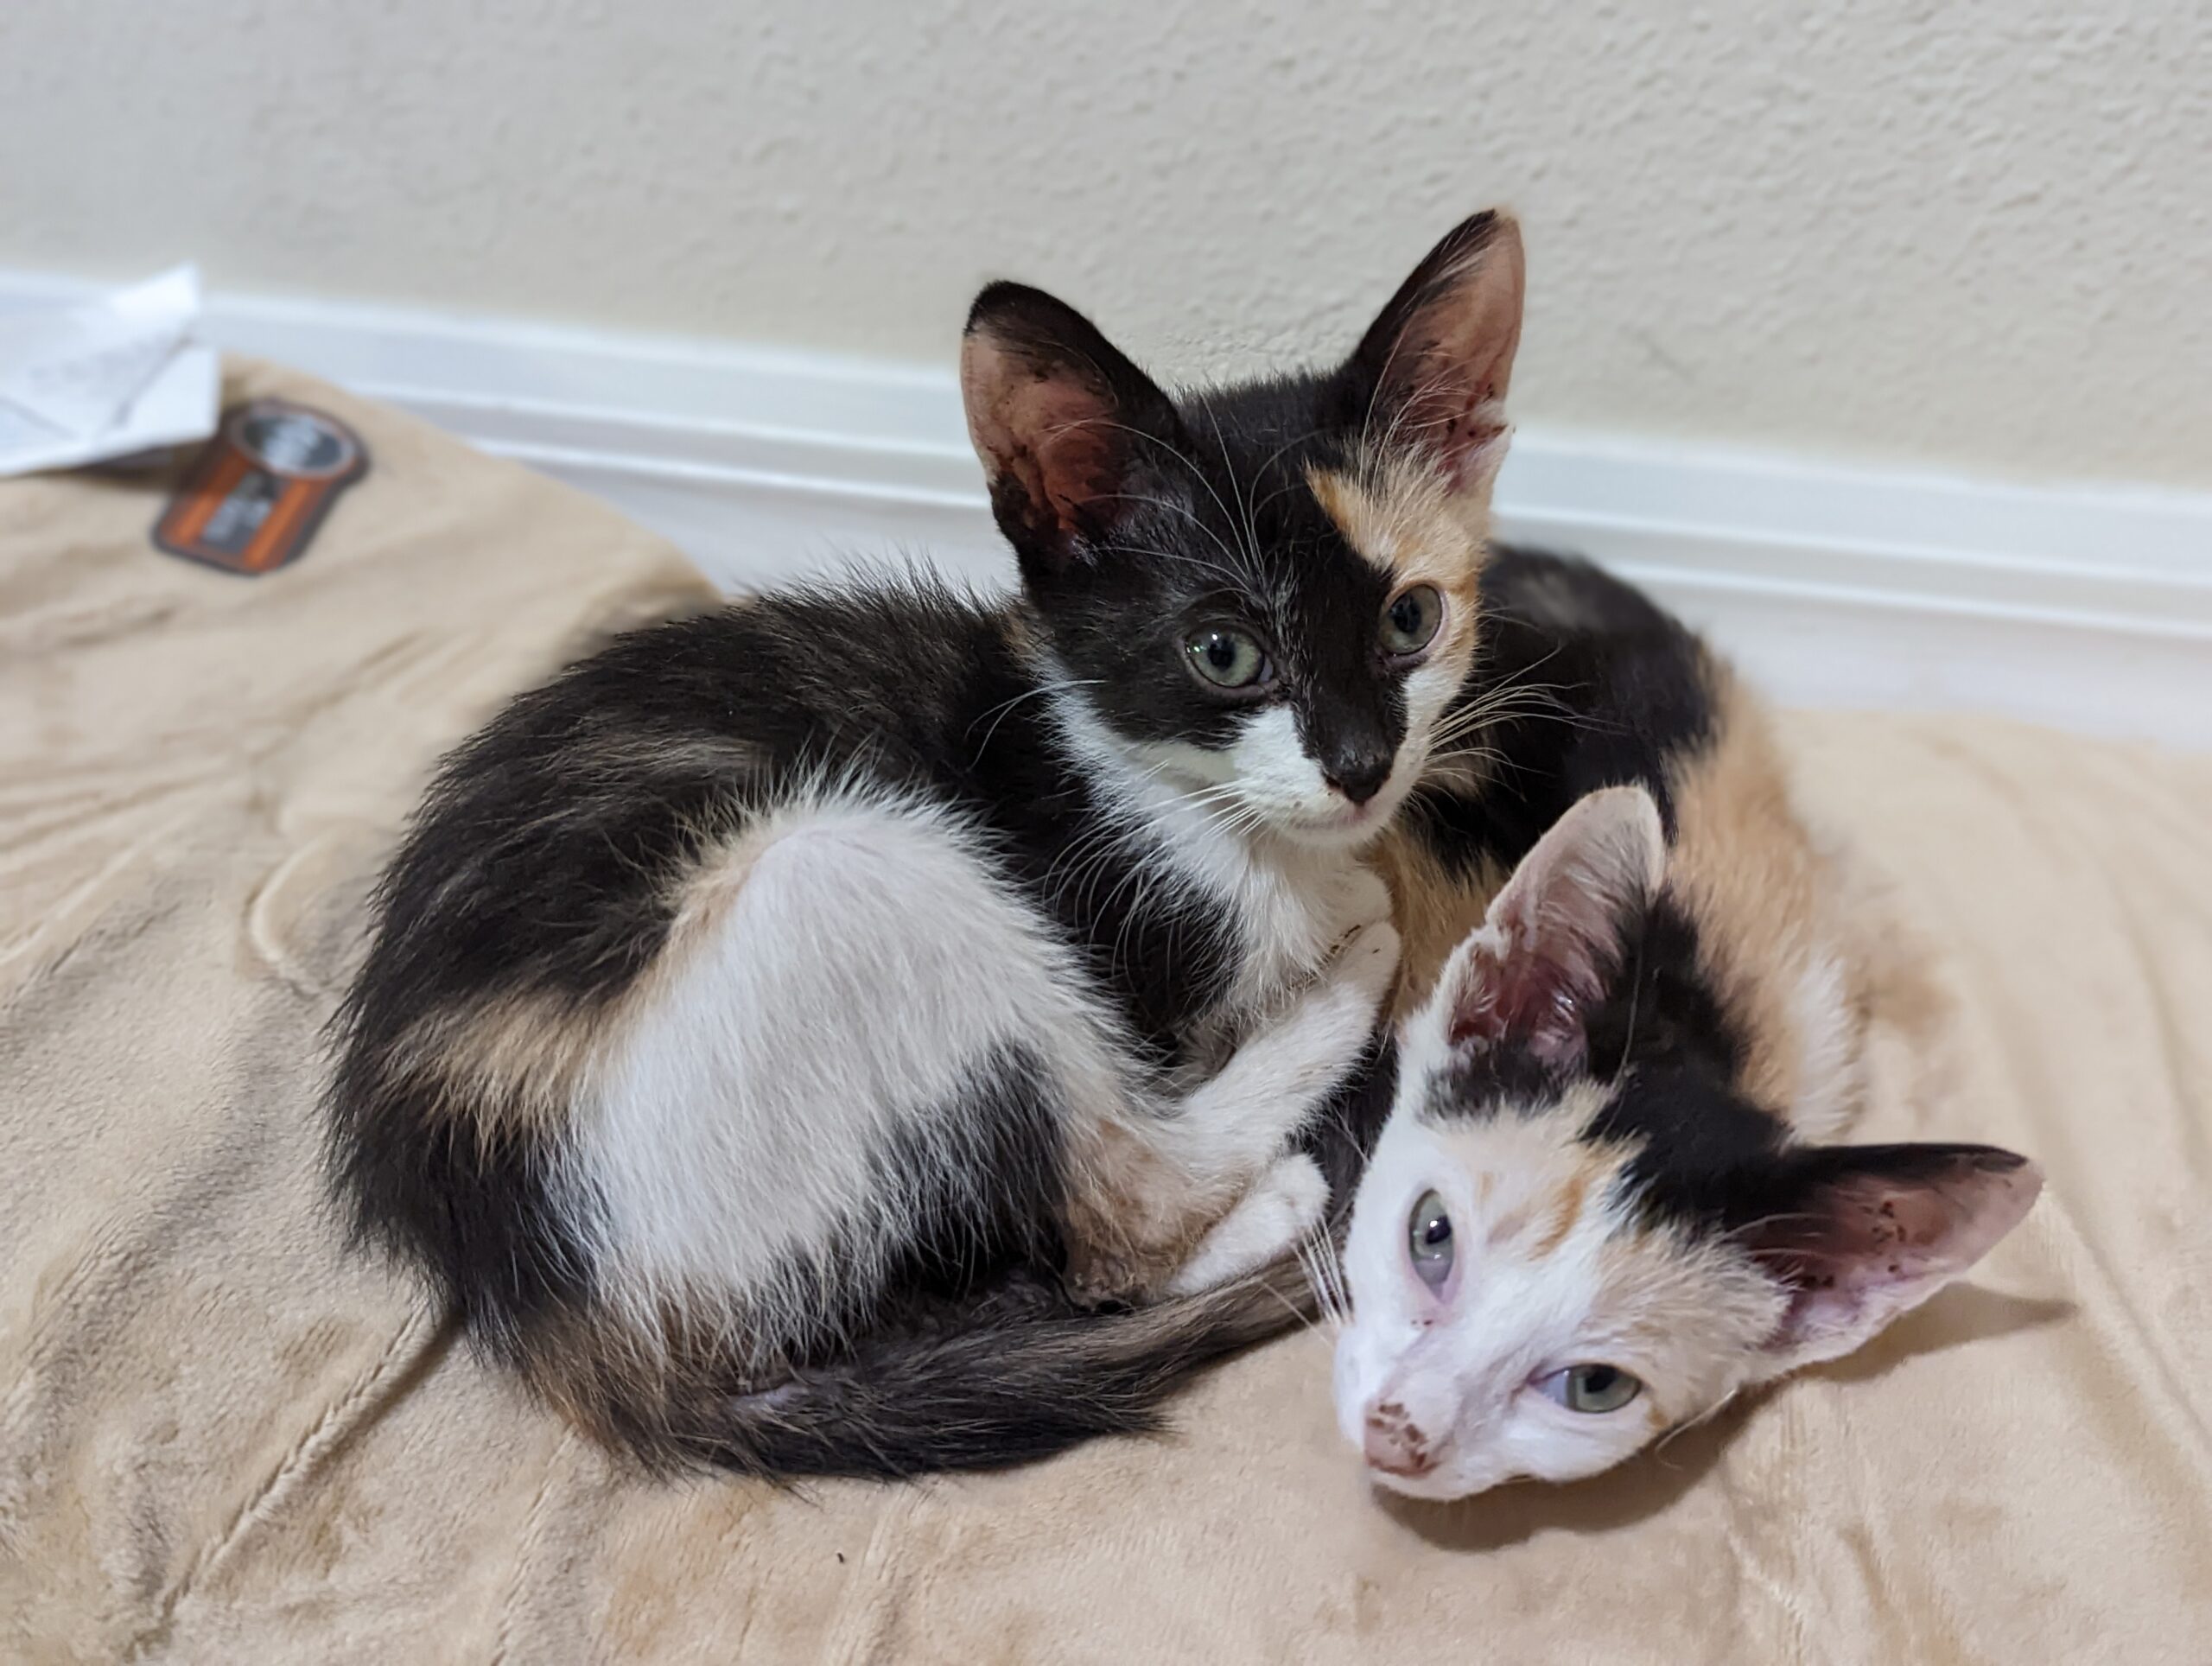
(1603, 1202)
(864, 1031)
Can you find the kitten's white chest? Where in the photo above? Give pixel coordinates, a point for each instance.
(1294, 907)
(1284, 906)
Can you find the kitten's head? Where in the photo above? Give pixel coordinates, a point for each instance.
(1553, 1259)
(1264, 596)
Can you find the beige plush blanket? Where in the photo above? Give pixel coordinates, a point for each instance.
(222, 1438)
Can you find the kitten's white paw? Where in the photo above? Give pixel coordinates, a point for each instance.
(1331, 1023)
(1284, 1204)
(1274, 1079)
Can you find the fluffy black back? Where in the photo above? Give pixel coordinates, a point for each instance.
(1590, 683)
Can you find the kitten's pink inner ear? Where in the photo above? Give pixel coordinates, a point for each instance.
(1866, 1249)
(1555, 936)
(1452, 335)
(1048, 434)
(1536, 1004)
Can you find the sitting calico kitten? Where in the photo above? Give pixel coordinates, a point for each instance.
(1599, 1206)
(782, 1032)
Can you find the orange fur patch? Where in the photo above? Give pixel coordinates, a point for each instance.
(1545, 1219)
(1803, 951)
(1566, 1209)
(1433, 910)
(1684, 1311)
(1746, 873)
(511, 1063)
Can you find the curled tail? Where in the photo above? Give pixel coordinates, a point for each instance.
(1010, 1384)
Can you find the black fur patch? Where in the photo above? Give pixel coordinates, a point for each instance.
(1595, 685)
(1662, 1043)
(982, 1181)
(1341, 1138)
(472, 1212)
(1659, 1035)
(1222, 529)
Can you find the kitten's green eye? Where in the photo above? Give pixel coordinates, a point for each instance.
(1226, 657)
(1590, 1387)
(1410, 623)
(1429, 1240)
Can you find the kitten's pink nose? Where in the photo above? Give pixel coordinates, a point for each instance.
(1393, 1445)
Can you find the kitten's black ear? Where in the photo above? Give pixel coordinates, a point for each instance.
(1429, 377)
(1861, 1235)
(1064, 423)
(1555, 936)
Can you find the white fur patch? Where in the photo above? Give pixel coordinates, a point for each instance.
(1273, 774)
(864, 959)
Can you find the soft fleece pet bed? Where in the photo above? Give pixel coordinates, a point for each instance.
(221, 1439)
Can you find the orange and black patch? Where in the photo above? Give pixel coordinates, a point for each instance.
(1399, 518)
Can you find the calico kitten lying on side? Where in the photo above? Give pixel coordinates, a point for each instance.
(784, 1030)
(1601, 1204)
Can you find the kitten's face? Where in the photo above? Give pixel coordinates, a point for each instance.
(1512, 1314)
(1552, 1261)
(1283, 672)
(1264, 598)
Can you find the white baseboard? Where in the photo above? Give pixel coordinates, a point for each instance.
(2086, 607)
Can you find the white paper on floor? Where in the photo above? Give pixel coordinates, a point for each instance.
(103, 378)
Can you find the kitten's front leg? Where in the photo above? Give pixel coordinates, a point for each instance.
(1279, 1076)
(1284, 1204)
(1157, 1198)
(1308, 1057)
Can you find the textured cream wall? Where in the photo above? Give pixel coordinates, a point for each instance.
(1978, 235)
